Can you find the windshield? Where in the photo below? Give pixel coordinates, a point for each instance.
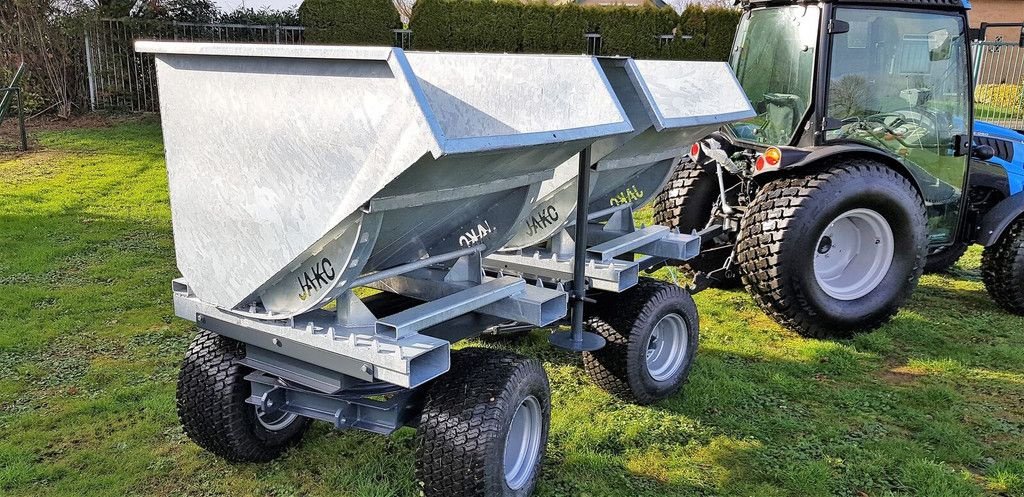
(773, 58)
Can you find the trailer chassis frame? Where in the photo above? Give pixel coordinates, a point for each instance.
(356, 368)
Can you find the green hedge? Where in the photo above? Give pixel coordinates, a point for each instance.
(534, 27)
(539, 27)
(350, 22)
(720, 26)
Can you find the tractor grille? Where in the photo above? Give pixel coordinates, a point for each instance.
(1003, 148)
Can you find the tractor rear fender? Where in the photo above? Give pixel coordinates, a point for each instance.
(795, 158)
(999, 218)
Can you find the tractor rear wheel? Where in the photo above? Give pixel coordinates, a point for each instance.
(484, 426)
(687, 203)
(1002, 269)
(834, 251)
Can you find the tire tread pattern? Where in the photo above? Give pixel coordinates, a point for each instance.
(462, 420)
(211, 404)
(669, 203)
(1002, 269)
(609, 367)
(774, 208)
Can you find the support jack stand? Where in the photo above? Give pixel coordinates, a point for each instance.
(576, 339)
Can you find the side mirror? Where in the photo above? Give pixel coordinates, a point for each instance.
(983, 152)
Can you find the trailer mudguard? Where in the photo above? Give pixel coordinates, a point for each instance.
(999, 218)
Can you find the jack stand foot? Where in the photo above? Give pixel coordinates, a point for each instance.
(589, 342)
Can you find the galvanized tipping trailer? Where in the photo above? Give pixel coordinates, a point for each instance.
(300, 173)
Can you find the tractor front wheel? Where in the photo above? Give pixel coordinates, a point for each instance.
(1002, 269)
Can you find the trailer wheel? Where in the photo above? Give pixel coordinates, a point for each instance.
(484, 426)
(1002, 269)
(651, 332)
(686, 203)
(834, 251)
(211, 405)
(941, 261)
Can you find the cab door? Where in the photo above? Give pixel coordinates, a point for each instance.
(899, 81)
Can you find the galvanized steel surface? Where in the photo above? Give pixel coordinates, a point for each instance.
(276, 153)
(670, 104)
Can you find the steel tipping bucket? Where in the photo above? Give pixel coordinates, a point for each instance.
(670, 105)
(293, 170)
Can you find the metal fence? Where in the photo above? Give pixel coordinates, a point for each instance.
(120, 79)
(999, 83)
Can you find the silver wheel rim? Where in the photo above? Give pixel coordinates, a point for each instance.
(667, 347)
(276, 422)
(853, 254)
(522, 443)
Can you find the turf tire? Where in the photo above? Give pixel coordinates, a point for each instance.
(466, 415)
(686, 203)
(211, 404)
(1002, 269)
(626, 321)
(780, 231)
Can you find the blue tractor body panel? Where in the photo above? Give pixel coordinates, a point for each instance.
(1009, 147)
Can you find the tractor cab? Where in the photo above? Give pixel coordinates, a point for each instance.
(860, 169)
(890, 79)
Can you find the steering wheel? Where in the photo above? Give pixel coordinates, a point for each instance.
(913, 125)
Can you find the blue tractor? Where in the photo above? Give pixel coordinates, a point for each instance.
(862, 168)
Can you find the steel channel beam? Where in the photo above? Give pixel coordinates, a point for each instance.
(410, 321)
(655, 241)
(297, 371)
(316, 338)
(626, 242)
(614, 276)
(534, 305)
(422, 263)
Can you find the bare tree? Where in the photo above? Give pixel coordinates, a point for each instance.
(404, 9)
(679, 5)
(44, 34)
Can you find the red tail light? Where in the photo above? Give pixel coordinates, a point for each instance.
(695, 150)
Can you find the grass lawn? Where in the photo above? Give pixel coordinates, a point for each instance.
(931, 405)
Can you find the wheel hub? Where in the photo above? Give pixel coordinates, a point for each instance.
(853, 254)
(667, 347)
(276, 421)
(522, 443)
